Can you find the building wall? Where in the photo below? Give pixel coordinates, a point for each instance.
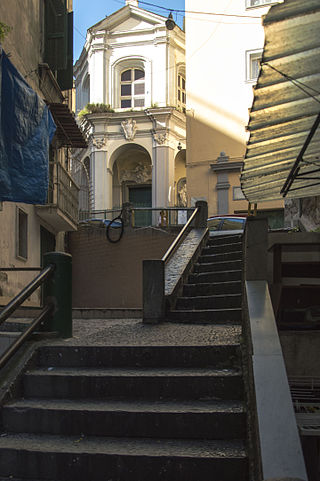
(219, 92)
(25, 46)
(25, 41)
(110, 275)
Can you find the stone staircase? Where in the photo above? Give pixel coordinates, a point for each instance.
(138, 412)
(213, 291)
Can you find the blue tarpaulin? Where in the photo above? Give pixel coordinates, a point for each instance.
(26, 130)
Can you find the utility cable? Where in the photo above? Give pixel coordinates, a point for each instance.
(300, 85)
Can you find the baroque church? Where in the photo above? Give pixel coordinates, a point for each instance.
(130, 101)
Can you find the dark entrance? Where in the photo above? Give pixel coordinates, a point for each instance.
(141, 197)
(47, 242)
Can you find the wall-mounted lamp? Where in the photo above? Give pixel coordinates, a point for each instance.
(170, 23)
(179, 146)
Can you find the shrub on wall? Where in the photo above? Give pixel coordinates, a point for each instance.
(4, 30)
(95, 109)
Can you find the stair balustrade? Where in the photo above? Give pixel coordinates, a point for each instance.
(274, 432)
(154, 302)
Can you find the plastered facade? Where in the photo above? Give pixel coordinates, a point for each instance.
(221, 45)
(138, 146)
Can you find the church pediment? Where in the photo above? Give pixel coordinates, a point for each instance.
(129, 18)
(131, 24)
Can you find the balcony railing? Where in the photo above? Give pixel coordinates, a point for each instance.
(63, 191)
(61, 209)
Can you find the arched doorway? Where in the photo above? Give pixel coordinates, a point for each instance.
(132, 180)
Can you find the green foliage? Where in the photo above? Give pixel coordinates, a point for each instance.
(4, 30)
(95, 109)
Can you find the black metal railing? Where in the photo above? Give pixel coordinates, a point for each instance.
(17, 301)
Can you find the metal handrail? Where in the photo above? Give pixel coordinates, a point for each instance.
(16, 302)
(25, 293)
(178, 239)
(12, 349)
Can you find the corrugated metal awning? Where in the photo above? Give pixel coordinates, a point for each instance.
(283, 152)
(67, 131)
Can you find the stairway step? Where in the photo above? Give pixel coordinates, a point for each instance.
(212, 277)
(225, 256)
(221, 301)
(224, 239)
(214, 316)
(160, 419)
(221, 248)
(137, 356)
(207, 289)
(221, 266)
(151, 383)
(83, 459)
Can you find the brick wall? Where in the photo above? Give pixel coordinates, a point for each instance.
(110, 275)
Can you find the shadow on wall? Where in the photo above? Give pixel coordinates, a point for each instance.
(107, 275)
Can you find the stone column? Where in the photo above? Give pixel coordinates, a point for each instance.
(162, 172)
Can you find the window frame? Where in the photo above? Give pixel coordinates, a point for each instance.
(21, 234)
(182, 91)
(260, 5)
(132, 82)
(252, 55)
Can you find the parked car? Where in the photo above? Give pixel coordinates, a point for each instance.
(226, 224)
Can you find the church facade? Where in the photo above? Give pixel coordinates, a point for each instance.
(130, 101)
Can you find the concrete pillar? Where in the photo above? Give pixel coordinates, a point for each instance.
(58, 290)
(162, 176)
(256, 246)
(202, 216)
(153, 291)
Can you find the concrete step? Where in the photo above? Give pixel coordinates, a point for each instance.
(225, 256)
(224, 239)
(214, 316)
(208, 289)
(220, 266)
(143, 383)
(218, 301)
(122, 459)
(160, 419)
(138, 356)
(221, 248)
(213, 277)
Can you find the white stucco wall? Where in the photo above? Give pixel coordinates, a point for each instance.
(219, 94)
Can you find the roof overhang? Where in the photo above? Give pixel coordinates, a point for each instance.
(283, 152)
(67, 131)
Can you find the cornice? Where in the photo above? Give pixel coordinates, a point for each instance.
(226, 166)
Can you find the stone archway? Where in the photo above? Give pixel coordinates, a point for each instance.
(132, 176)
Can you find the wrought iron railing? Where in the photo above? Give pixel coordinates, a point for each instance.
(142, 216)
(63, 192)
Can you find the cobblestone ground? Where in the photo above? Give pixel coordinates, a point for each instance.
(110, 332)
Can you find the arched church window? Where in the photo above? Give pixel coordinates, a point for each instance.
(132, 88)
(181, 94)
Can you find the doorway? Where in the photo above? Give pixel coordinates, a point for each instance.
(141, 197)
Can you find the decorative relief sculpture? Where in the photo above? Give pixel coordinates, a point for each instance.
(182, 192)
(160, 138)
(129, 127)
(99, 142)
(141, 174)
